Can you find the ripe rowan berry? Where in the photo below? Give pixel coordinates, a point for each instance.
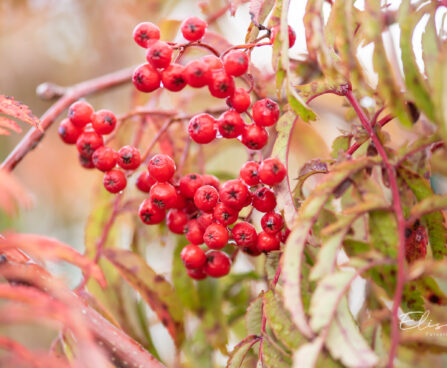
(176, 221)
(114, 181)
(129, 158)
(69, 132)
(80, 113)
(103, 121)
(230, 124)
(212, 61)
(244, 234)
(188, 184)
(145, 181)
(265, 112)
(193, 232)
(264, 200)
(249, 173)
(104, 158)
(88, 142)
(292, 35)
(254, 137)
(161, 167)
(163, 195)
(267, 242)
(272, 171)
(284, 234)
(205, 219)
(150, 214)
(197, 73)
(236, 63)
(216, 236)
(252, 251)
(173, 77)
(234, 193)
(146, 78)
(220, 84)
(211, 180)
(180, 202)
(217, 264)
(159, 54)
(202, 128)
(224, 214)
(206, 197)
(272, 223)
(145, 33)
(86, 162)
(196, 273)
(193, 256)
(193, 28)
(240, 100)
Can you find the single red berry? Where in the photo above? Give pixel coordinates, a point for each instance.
(86, 162)
(234, 193)
(205, 219)
(248, 200)
(265, 112)
(267, 242)
(252, 251)
(114, 181)
(254, 137)
(159, 54)
(236, 63)
(272, 223)
(197, 73)
(212, 61)
(69, 132)
(88, 142)
(145, 33)
(193, 232)
(244, 234)
(202, 128)
(190, 207)
(211, 180)
(181, 202)
(146, 78)
(149, 213)
(80, 113)
(104, 158)
(173, 77)
(193, 256)
(193, 28)
(176, 221)
(264, 200)
(103, 121)
(216, 236)
(224, 214)
(240, 100)
(144, 182)
(221, 85)
(272, 171)
(230, 124)
(197, 273)
(218, 264)
(284, 234)
(161, 167)
(189, 184)
(163, 195)
(249, 173)
(129, 158)
(206, 198)
(292, 35)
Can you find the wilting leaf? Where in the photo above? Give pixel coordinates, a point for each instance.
(241, 350)
(16, 109)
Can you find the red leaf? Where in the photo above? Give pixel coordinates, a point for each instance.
(16, 109)
(10, 124)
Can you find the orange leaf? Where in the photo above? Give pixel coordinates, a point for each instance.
(16, 109)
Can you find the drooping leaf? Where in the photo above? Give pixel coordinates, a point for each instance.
(241, 350)
(16, 109)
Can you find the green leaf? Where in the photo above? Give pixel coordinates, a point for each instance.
(428, 205)
(241, 350)
(271, 264)
(383, 230)
(253, 317)
(340, 144)
(198, 351)
(273, 357)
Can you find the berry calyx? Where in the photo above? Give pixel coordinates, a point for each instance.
(173, 77)
(159, 54)
(206, 197)
(272, 171)
(221, 84)
(193, 232)
(193, 256)
(234, 193)
(144, 182)
(236, 63)
(80, 113)
(104, 158)
(69, 132)
(86, 162)
(244, 234)
(197, 74)
(254, 137)
(202, 128)
(103, 121)
(114, 181)
(224, 214)
(193, 28)
(264, 200)
(249, 173)
(265, 112)
(217, 264)
(240, 100)
(272, 223)
(129, 158)
(267, 242)
(150, 214)
(146, 78)
(161, 167)
(88, 142)
(216, 236)
(163, 195)
(145, 33)
(230, 124)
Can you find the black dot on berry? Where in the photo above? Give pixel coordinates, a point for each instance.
(108, 119)
(139, 78)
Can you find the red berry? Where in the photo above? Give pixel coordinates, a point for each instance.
(230, 124)
(180, 202)
(173, 77)
(221, 84)
(218, 264)
(250, 173)
(159, 54)
(114, 181)
(88, 142)
(211, 180)
(86, 162)
(272, 171)
(189, 184)
(202, 128)
(236, 63)
(193, 28)
(264, 200)
(292, 36)
(205, 219)
(240, 100)
(272, 223)
(129, 158)
(163, 195)
(193, 256)
(252, 251)
(146, 78)
(284, 234)
(176, 221)
(225, 215)
(103, 121)
(104, 158)
(254, 137)
(193, 232)
(267, 242)
(197, 74)
(144, 182)
(150, 214)
(244, 234)
(161, 167)
(234, 193)
(212, 61)
(80, 113)
(196, 273)
(265, 112)
(69, 132)
(206, 198)
(216, 236)
(145, 33)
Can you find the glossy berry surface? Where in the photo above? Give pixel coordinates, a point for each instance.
(163, 195)
(145, 33)
(265, 112)
(159, 54)
(104, 158)
(80, 113)
(264, 200)
(193, 232)
(212, 61)
(88, 142)
(240, 100)
(272, 171)
(244, 234)
(193, 28)
(206, 197)
(272, 223)
(103, 121)
(205, 219)
(193, 256)
(144, 182)
(197, 273)
(176, 221)
(209, 179)
(161, 167)
(216, 236)
(254, 137)
(189, 184)
(114, 181)
(202, 128)
(218, 264)
(230, 124)
(173, 77)
(146, 78)
(234, 193)
(249, 173)
(69, 132)
(129, 158)
(236, 63)
(197, 74)
(221, 85)
(150, 214)
(267, 242)
(224, 214)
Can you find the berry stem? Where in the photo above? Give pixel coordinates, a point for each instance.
(184, 46)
